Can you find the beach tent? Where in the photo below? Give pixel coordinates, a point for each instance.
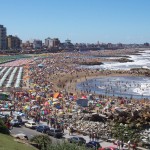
(46, 103)
(35, 106)
(82, 102)
(55, 99)
(40, 65)
(84, 97)
(4, 96)
(90, 97)
(56, 95)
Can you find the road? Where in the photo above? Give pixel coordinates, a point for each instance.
(31, 133)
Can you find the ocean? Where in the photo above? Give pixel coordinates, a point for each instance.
(135, 87)
(142, 60)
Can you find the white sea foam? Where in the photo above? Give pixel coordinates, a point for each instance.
(144, 88)
(101, 87)
(138, 62)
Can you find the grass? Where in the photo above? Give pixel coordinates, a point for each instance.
(7, 58)
(7, 143)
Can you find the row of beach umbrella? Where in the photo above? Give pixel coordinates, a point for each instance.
(19, 77)
(5, 76)
(11, 78)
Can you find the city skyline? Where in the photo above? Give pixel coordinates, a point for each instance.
(81, 21)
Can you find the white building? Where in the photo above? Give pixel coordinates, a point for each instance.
(49, 42)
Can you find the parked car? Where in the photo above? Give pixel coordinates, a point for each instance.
(2, 116)
(31, 125)
(42, 128)
(77, 140)
(93, 144)
(55, 132)
(16, 113)
(15, 123)
(108, 148)
(20, 136)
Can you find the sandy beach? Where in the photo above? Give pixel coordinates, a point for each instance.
(48, 93)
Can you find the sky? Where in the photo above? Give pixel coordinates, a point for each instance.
(81, 21)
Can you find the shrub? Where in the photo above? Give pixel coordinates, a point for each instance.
(3, 128)
(66, 146)
(43, 141)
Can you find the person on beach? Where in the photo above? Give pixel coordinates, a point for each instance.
(118, 144)
(48, 122)
(90, 136)
(70, 131)
(122, 145)
(134, 146)
(129, 145)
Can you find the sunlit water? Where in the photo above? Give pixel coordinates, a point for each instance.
(140, 61)
(136, 87)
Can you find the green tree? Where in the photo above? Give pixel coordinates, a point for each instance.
(66, 146)
(125, 133)
(43, 141)
(3, 128)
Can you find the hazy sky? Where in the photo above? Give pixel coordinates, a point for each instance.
(89, 21)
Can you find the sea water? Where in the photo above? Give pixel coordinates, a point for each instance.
(135, 87)
(142, 60)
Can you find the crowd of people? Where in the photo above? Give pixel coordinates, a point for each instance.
(49, 91)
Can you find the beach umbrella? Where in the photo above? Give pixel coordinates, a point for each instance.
(84, 97)
(50, 102)
(26, 98)
(61, 112)
(73, 110)
(46, 103)
(33, 94)
(55, 103)
(55, 99)
(38, 97)
(67, 103)
(75, 97)
(98, 105)
(34, 107)
(27, 107)
(58, 106)
(40, 65)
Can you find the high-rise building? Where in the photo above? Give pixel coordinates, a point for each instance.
(3, 43)
(49, 43)
(13, 42)
(37, 44)
(27, 45)
(56, 42)
(68, 44)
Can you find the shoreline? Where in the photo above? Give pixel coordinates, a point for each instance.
(50, 91)
(72, 87)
